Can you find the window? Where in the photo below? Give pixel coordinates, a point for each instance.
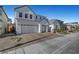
(30, 16)
(36, 17)
(40, 17)
(0, 20)
(44, 18)
(0, 12)
(26, 15)
(20, 14)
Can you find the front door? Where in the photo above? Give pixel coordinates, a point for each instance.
(43, 28)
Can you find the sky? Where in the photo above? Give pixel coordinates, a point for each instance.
(66, 13)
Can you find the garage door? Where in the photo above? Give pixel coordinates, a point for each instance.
(28, 29)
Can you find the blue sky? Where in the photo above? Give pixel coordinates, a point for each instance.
(66, 13)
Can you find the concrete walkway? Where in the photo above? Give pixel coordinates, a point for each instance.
(66, 44)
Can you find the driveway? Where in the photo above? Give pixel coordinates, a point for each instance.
(67, 44)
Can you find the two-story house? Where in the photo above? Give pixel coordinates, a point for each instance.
(55, 24)
(27, 21)
(3, 20)
(72, 26)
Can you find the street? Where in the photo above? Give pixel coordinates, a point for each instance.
(67, 44)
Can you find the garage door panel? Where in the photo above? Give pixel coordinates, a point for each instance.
(29, 29)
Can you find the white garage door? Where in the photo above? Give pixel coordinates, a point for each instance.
(29, 29)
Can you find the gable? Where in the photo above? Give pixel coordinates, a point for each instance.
(44, 22)
(24, 9)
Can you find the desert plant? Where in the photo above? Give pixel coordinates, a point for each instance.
(17, 38)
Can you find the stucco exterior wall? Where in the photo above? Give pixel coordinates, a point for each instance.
(17, 27)
(3, 18)
(52, 27)
(27, 25)
(2, 28)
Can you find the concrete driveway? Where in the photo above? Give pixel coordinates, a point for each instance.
(66, 44)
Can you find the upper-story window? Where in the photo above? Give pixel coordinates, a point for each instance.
(20, 14)
(0, 12)
(26, 15)
(36, 17)
(40, 17)
(30, 16)
(0, 20)
(44, 18)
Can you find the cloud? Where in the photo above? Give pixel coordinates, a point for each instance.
(12, 18)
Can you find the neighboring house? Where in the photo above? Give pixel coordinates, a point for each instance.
(9, 21)
(27, 21)
(10, 26)
(55, 24)
(3, 21)
(72, 26)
